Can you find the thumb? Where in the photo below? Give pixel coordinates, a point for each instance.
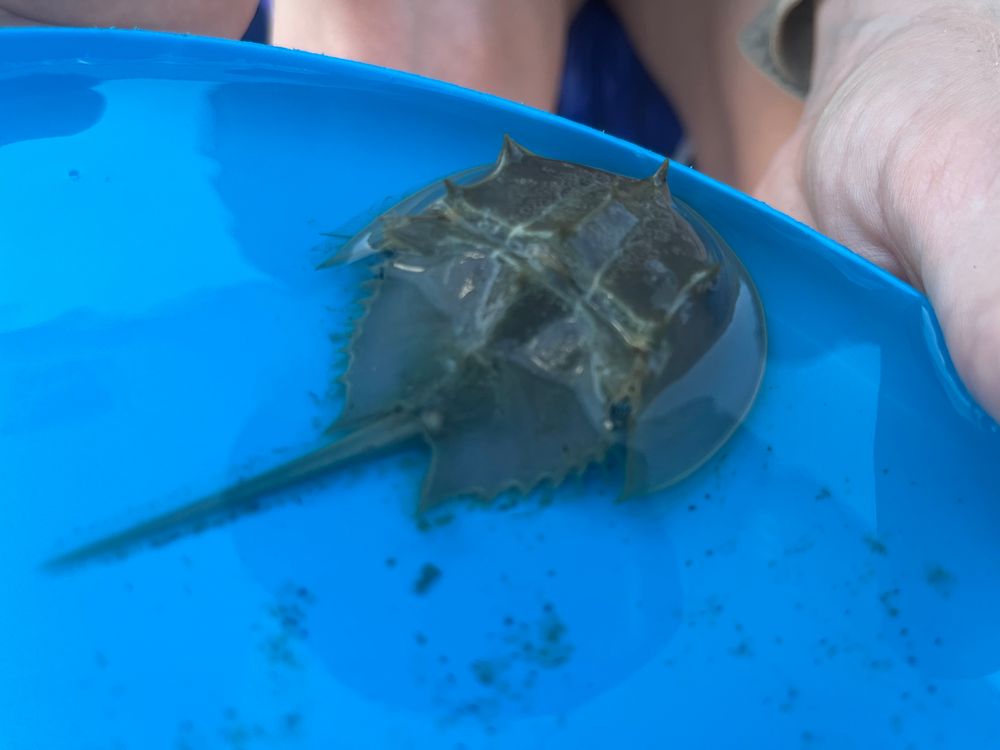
(781, 186)
(961, 272)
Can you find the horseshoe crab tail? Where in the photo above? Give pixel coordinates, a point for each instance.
(243, 497)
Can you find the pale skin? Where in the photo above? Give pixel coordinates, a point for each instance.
(895, 152)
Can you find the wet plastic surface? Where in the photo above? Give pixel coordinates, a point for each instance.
(829, 579)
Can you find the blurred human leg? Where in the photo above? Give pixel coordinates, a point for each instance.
(228, 18)
(735, 116)
(513, 49)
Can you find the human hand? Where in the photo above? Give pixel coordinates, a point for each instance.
(898, 157)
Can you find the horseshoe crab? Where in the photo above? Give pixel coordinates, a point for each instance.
(528, 318)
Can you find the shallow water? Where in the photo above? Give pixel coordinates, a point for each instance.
(829, 579)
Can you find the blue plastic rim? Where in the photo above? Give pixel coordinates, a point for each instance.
(827, 580)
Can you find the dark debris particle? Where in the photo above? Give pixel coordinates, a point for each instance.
(420, 638)
(553, 650)
(554, 631)
(390, 562)
(741, 649)
(888, 599)
(875, 546)
(240, 735)
(293, 722)
(280, 652)
(429, 574)
(940, 579)
(791, 695)
(824, 493)
(485, 672)
(289, 614)
(896, 722)
(73, 174)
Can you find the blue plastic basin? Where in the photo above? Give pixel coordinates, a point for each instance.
(829, 579)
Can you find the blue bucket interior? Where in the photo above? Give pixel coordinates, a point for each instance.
(827, 579)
